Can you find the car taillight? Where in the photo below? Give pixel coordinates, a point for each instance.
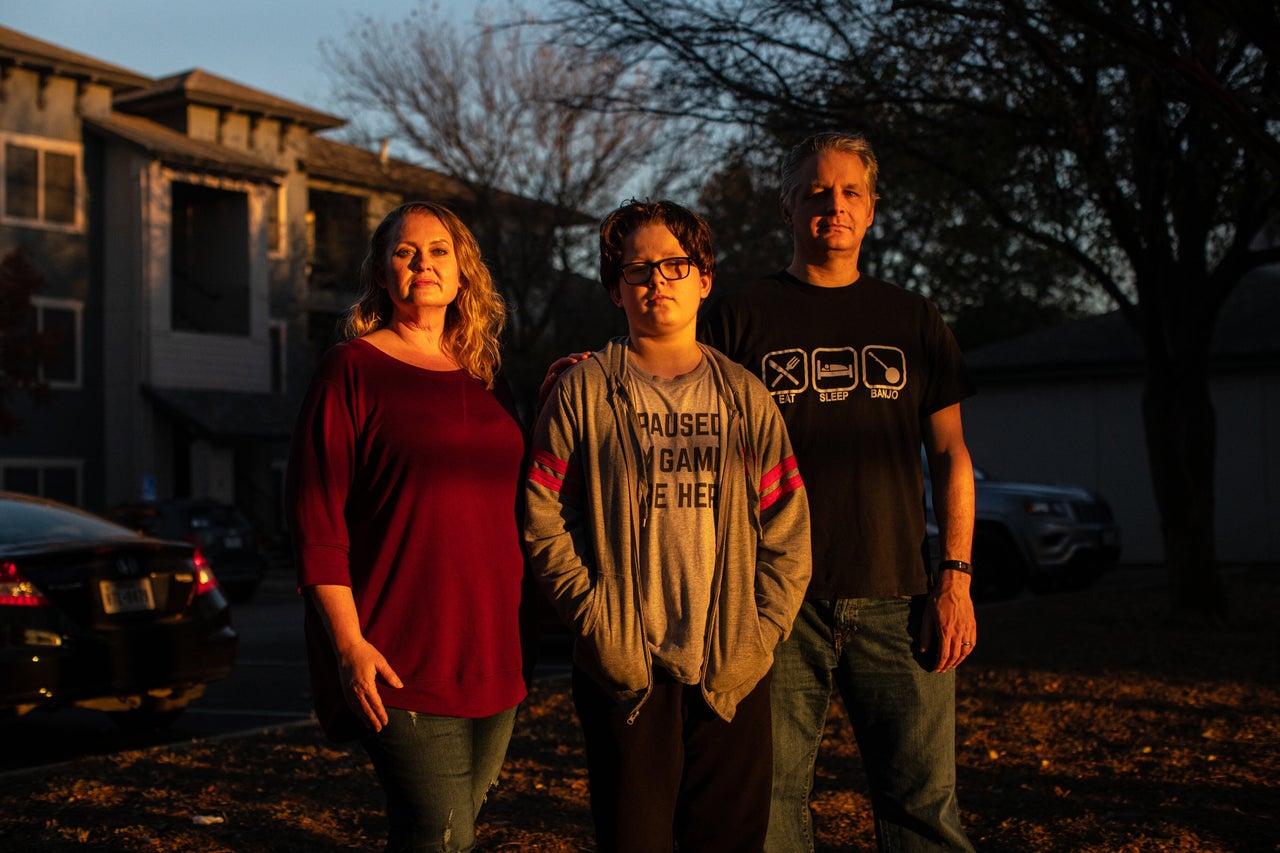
(205, 581)
(17, 591)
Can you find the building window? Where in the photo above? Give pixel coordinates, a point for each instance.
(210, 253)
(277, 231)
(61, 318)
(41, 184)
(339, 240)
(276, 331)
(322, 333)
(57, 479)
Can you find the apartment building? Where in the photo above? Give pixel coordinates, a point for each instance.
(198, 239)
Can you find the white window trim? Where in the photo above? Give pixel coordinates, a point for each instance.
(43, 464)
(42, 144)
(276, 193)
(76, 307)
(232, 185)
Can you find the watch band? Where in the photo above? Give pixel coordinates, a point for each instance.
(956, 566)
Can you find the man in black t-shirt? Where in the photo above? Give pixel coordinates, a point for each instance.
(865, 373)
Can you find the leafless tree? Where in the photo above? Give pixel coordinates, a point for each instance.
(1135, 142)
(520, 120)
(23, 349)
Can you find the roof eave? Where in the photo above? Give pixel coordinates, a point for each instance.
(238, 167)
(117, 80)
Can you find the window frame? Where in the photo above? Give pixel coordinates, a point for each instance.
(43, 464)
(42, 303)
(42, 146)
(329, 280)
(277, 226)
(244, 243)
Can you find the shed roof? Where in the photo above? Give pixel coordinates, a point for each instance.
(328, 159)
(1247, 335)
(228, 414)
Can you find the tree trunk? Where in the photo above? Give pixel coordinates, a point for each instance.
(1181, 434)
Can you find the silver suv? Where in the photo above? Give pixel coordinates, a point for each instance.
(1038, 535)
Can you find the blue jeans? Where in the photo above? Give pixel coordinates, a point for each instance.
(436, 773)
(903, 717)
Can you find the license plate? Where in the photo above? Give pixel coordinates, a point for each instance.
(127, 596)
(232, 541)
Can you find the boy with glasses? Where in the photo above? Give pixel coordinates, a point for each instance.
(668, 524)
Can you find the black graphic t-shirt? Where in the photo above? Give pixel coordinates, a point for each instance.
(854, 370)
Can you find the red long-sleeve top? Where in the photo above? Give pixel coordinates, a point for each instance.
(402, 485)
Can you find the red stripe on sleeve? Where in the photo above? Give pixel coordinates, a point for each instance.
(548, 460)
(542, 478)
(777, 472)
(771, 489)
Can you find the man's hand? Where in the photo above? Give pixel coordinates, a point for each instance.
(949, 621)
(557, 367)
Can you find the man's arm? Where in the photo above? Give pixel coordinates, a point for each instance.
(950, 620)
(951, 472)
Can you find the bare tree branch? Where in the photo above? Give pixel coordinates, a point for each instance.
(515, 117)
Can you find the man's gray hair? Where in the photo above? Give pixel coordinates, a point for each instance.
(849, 143)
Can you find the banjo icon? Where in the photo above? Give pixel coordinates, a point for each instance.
(893, 364)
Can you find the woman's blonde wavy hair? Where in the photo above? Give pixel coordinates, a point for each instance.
(473, 322)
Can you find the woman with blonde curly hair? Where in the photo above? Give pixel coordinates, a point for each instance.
(472, 322)
(403, 477)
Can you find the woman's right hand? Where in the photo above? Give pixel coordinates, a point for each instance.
(360, 664)
(359, 667)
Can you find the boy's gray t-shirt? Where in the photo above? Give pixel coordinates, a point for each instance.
(682, 421)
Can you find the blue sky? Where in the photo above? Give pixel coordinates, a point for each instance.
(272, 45)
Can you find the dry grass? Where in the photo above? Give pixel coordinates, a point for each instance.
(1084, 725)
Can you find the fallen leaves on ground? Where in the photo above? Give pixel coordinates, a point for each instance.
(1085, 723)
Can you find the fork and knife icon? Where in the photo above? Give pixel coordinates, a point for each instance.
(784, 371)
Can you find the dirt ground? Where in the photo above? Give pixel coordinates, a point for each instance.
(1085, 724)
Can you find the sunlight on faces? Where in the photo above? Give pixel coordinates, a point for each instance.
(661, 306)
(422, 272)
(833, 206)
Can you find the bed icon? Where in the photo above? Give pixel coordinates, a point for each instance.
(835, 368)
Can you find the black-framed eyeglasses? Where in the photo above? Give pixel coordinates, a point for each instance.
(672, 269)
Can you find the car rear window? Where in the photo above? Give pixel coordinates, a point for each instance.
(24, 523)
(216, 517)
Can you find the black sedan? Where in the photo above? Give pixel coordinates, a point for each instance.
(221, 532)
(97, 616)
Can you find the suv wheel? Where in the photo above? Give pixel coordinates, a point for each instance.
(999, 571)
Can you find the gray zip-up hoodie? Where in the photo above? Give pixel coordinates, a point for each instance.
(587, 500)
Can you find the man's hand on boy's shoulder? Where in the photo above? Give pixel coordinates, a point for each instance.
(560, 365)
